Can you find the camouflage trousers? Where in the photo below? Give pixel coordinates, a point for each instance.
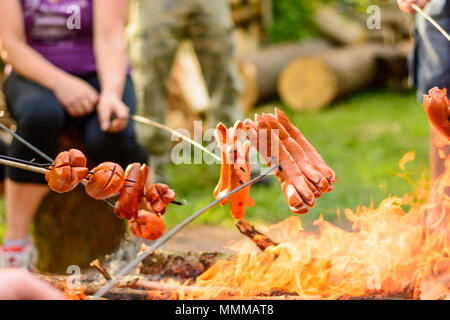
(157, 29)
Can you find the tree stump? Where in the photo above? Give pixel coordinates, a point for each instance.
(73, 228)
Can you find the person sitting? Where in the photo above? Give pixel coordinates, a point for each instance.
(69, 66)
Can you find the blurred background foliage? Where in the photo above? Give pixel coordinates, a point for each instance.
(293, 19)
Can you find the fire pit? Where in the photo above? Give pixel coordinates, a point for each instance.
(391, 252)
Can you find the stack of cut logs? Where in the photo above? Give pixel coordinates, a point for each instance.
(346, 58)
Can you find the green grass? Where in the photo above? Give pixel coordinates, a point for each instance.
(362, 138)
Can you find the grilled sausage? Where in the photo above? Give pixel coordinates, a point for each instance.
(67, 172)
(105, 181)
(130, 196)
(235, 169)
(221, 136)
(320, 182)
(158, 197)
(293, 183)
(312, 153)
(147, 225)
(240, 175)
(437, 107)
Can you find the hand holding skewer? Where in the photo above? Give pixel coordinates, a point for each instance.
(411, 6)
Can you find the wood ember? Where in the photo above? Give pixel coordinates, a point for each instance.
(97, 265)
(140, 288)
(261, 240)
(177, 264)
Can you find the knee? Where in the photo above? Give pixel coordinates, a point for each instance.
(121, 148)
(40, 115)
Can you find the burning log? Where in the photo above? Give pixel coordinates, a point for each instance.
(182, 265)
(261, 240)
(139, 288)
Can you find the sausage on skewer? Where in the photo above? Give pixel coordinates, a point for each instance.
(301, 158)
(130, 197)
(158, 197)
(437, 107)
(312, 153)
(235, 169)
(293, 182)
(147, 225)
(67, 172)
(105, 180)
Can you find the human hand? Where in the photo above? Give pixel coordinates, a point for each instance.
(21, 285)
(111, 106)
(76, 95)
(405, 5)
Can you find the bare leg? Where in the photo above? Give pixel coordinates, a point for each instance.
(22, 201)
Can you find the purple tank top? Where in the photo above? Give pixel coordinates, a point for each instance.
(61, 31)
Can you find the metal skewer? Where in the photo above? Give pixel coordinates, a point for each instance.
(29, 163)
(37, 168)
(22, 166)
(40, 153)
(26, 143)
(154, 124)
(429, 18)
(158, 243)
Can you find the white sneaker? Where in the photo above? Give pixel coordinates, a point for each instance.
(18, 256)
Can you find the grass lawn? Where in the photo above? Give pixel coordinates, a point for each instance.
(362, 138)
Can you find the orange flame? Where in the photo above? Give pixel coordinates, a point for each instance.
(72, 293)
(392, 250)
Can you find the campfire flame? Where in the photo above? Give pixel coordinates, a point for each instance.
(398, 249)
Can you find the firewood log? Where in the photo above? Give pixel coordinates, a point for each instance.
(260, 70)
(180, 264)
(261, 240)
(338, 27)
(312, 82)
